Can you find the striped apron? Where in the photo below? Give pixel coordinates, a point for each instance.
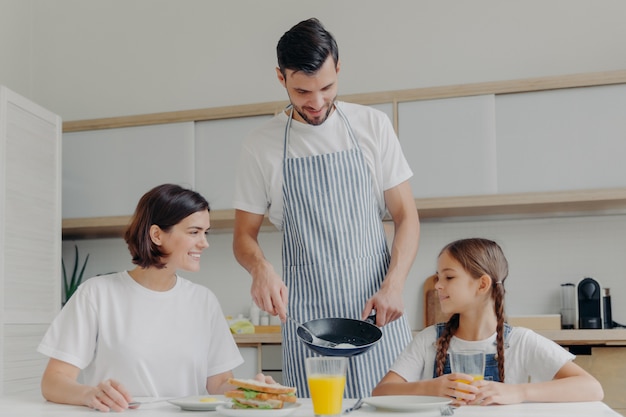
(335, 257)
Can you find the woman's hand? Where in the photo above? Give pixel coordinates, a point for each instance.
(109, 395)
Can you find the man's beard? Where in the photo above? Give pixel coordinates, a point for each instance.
(315, 122)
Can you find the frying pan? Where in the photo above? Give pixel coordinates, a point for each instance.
(362, 334)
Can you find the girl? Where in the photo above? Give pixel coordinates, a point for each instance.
(145, 332)
(470, 284)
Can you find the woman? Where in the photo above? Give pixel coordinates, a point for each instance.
(470, 284)
(145, 332)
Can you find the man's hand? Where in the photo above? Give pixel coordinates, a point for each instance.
(388, 303)
(269, 291)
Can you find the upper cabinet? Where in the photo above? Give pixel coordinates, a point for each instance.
(217, 144)
(546, 146)
(30, 232)
(105, 172)
(450, 145)
(561, 140)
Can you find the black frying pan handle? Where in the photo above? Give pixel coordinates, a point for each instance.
(371, 318)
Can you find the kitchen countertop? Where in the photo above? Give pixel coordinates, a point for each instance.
(35, 406)
(607, 337)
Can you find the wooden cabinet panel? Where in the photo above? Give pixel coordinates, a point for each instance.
(608, 365)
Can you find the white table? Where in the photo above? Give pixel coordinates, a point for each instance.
(35, 406)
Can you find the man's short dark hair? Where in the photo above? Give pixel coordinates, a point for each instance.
(305, 47)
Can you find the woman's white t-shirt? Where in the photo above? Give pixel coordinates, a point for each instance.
(157, 344)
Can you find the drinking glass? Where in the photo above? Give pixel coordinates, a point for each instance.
(327, 379)
(471, 362)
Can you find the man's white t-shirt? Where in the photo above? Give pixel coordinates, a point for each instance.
(529, 357)
(259, 180)
(157, 344)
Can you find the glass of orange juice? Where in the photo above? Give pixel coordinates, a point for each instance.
(471, 362)
(327, 379)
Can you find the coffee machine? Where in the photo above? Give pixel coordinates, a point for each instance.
(589, 304)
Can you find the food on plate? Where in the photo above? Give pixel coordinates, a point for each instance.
(209, 400)
(251, 393)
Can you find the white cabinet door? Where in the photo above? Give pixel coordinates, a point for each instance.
(450, 145)
(218, 143)
(105, 172)
(250, 366)
(567, 139)
(30, 236)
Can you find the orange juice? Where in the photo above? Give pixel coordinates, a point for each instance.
(475, 378)
(326, 393)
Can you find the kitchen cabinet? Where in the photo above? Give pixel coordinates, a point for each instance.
(562, 139)
(608, 365)
(268, 350)
(436, 127)
(30, 237)
(272, 361)
(513, 179)
(602, 353)
(217, 146)
(105, 172)
(250, 367)
(567, 139)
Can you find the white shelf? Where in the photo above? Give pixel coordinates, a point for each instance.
(522, 205)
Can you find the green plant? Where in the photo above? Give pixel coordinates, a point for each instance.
(71, 284)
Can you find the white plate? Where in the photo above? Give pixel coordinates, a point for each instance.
(407, 402)
(287, 409)
(195, 402)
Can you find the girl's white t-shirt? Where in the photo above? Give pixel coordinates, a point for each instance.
(529, 357)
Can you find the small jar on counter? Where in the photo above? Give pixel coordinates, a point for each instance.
(255, 314)
(265, 319)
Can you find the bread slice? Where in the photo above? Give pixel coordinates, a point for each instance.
(262, 405)
(254, 385)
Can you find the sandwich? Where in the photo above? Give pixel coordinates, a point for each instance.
(251, 393)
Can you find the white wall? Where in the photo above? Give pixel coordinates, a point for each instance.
(542, 254)
(16, 35)
(93, 59)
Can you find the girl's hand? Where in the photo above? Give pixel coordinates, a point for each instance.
(455, 386)
(109, 395)
(490, 392)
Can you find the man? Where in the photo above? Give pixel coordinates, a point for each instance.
(327, 172)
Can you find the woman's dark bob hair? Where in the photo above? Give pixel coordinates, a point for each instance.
(165, 206)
